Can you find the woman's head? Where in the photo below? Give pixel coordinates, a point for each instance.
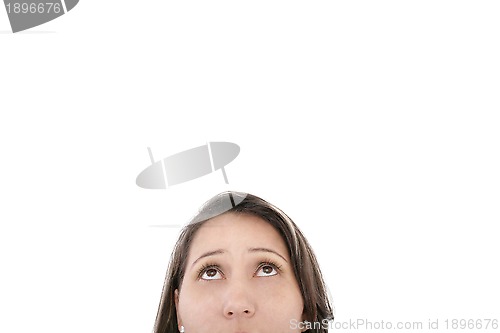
(241, 265)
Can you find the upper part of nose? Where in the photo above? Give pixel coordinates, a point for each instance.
(238, 301)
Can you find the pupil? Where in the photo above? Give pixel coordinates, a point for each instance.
(267, 269)
(211, 272)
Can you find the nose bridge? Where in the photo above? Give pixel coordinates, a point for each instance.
(238, 300)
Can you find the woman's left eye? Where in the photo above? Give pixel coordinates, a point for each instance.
(267, 270)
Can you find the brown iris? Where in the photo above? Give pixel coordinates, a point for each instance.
(267, 269)
(211, 272)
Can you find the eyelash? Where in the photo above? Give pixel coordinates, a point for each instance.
(263, 263)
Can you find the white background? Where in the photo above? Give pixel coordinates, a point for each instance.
(373, 124)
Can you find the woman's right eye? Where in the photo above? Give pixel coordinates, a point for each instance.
(211, 274)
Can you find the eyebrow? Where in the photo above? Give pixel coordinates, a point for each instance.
(252, 249)
(263, 249)
(208, 254)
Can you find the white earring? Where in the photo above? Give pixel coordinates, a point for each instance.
(182, 329)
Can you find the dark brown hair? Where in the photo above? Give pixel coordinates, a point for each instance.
(317, 308)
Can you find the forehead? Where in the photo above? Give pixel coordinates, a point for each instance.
(236, 232)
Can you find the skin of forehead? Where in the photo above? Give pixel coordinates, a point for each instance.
(220, 228)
